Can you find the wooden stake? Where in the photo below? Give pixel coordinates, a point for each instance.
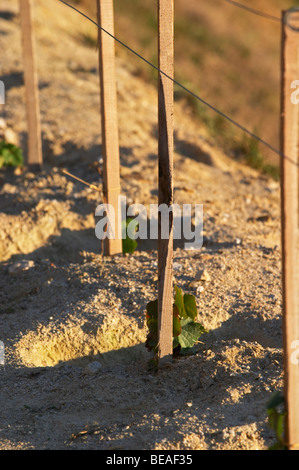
(165, 150)
(289, 204)
(35, 157)
(111, 174)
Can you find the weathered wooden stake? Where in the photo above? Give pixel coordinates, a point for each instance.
(165, 150)
(35, 157)
(110, 140)
(290, 200)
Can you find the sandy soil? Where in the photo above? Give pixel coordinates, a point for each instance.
(76, 372)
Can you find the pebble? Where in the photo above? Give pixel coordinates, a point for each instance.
(11, 137)
(9, 189)
(177, 266)
(2, 124)
(204, 276)
(18, 170)
(20, 267)
(228, 433)
(93, 368)
(196, 283)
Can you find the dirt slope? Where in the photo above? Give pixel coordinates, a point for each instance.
(229, 56)
(73, 323)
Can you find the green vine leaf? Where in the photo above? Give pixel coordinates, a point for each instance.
(10, 155)
(276, 400)
(276, 419)
(152, 324)
(191, 332)
(128, 244)
(177, 327)
(179, 302)
(186, 331)
(152, 309)
(190, 306)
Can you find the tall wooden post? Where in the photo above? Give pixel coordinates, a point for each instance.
(35, 157)
(290, 241)
(110, 140)
(165, 150)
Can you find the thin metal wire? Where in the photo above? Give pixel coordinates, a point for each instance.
(213, 108)
(254, 11)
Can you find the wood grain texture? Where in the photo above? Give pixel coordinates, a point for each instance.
(289, 209)
(109, 114)
(35, 157)
(165, 151)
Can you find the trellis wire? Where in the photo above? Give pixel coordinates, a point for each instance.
(187, 90)
(254, 11)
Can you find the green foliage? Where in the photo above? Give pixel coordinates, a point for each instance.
(129, 245)
(276, 418)
(186, 331)
(10, 155)
(89, 39)
(254, 158)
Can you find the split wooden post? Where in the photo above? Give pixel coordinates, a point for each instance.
(35, 157)
(165, 151)
(110, 139)
(289, 204)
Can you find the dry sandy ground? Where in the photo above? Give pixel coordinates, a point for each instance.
(76, 370)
